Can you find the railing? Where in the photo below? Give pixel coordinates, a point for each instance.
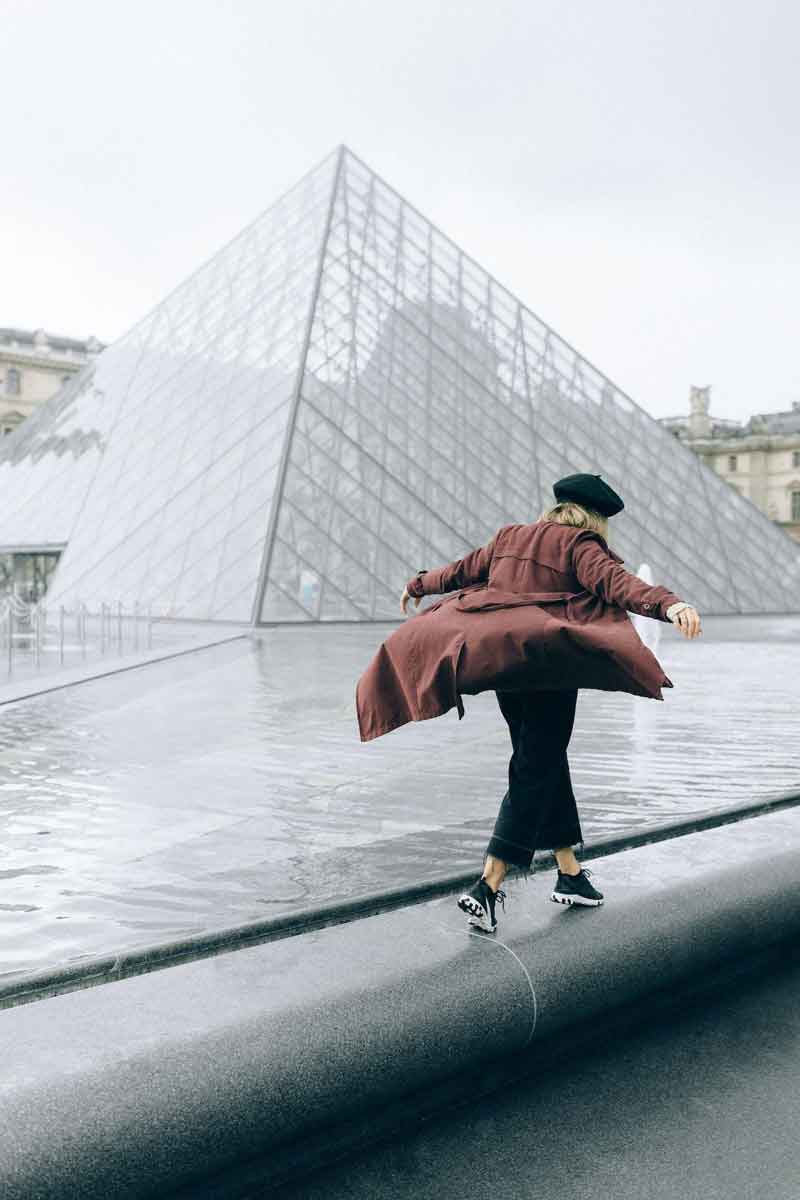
(34, 634)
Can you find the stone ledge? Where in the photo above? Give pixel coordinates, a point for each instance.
(173, 1082)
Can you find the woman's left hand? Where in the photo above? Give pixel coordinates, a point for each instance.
(404, 599)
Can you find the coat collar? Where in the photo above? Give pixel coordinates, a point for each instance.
(573, 529)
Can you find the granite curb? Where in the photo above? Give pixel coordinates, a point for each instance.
(223, 1075)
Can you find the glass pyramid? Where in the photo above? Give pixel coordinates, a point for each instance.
(339, 398)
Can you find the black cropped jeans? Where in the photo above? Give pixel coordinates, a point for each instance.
(538, 811)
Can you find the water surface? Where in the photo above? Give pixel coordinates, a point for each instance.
(230, 784)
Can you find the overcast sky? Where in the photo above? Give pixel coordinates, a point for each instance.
(629, 168)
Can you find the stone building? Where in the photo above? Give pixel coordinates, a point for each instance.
(33, 366)
(760, 457)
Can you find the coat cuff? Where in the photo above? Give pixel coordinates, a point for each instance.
(668, 602)
(416, 586)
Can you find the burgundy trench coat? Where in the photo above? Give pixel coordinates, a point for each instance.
(542, 605)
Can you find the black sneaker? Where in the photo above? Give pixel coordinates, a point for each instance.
(479, 903)
(575, 889)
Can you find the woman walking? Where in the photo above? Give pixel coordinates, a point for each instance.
(539, 612)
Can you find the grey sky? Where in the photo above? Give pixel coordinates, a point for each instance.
(630, 168)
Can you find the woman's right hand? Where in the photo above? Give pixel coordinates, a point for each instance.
(404, 599)
(688, 621)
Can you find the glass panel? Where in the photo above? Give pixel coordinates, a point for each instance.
(182, 426)
(457, 409)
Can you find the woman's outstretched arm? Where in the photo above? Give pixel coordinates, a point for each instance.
(599, 573)
(472, 568)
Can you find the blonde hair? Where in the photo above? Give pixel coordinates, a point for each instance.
(569, 512)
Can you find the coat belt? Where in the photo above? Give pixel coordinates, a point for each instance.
(471, 602)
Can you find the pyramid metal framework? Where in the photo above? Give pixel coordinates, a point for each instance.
(339, 398)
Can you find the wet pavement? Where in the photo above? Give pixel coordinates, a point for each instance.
(229, 784)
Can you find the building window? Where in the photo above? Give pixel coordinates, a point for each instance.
(13, 382)
(731, 462)
(796, 458)
(796, 506)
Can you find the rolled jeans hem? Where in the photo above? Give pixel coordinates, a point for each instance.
(516, 855)
(510, 852)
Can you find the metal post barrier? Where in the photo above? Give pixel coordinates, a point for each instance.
(24, 629)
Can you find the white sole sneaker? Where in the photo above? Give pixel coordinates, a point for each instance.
(469, 904)
(479, 923)
(560, 898)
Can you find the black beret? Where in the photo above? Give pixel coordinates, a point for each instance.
(591, 491)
